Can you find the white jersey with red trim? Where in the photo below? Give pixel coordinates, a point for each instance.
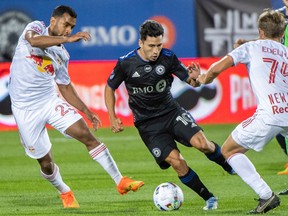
(267, 61)
(33, 71)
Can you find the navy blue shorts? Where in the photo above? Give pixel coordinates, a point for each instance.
(160, 134)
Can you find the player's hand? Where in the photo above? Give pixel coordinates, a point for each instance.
(116, 125)
(238, 42)
(79, 36)
(94, 119)
(194, 72)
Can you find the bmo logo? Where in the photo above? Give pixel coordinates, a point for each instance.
(127, 35)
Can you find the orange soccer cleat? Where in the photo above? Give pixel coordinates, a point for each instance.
(285, 171)
(69, 200)
(126, 184)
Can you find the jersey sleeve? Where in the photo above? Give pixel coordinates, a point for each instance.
(240, 54)
(179, 69)
(36, 26)
(116, 77)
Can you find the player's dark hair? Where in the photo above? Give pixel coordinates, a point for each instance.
(61, 9)
(150, 28)
(272, 23)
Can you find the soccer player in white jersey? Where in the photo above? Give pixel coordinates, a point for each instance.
(39, 62)
(266, 60)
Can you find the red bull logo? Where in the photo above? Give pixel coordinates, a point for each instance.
(44, 63)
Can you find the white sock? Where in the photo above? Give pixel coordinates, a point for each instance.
(56, 180)
(102, 155)
(246, 170)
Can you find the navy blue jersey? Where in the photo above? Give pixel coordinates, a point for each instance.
(148, 83)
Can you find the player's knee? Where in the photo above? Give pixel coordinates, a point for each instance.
(225, 152)
(86, 137)
(203, 146)
(200, 142)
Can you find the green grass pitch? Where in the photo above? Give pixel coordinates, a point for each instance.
(24, 192)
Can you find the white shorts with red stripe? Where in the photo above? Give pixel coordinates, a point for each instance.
(254, 134)
(31, 125)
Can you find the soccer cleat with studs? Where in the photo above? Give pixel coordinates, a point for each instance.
(69, 200)
(283, 192)
(126, 184)
(211, 204)
(266, 205)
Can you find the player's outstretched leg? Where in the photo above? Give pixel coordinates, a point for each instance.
(192, 180)
(67, 196)
(218, 158)
(102, 155)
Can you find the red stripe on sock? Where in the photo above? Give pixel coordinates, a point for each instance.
(97, 151)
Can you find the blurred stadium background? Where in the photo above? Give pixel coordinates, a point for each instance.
(197, 30)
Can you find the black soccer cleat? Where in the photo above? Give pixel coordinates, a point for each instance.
(283, 192)
(266, 205)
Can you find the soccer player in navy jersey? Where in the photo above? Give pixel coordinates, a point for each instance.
(147, 73)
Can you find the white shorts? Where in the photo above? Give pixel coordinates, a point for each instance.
(31, 125)
(253, 133)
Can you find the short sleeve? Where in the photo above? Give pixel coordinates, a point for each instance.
(179, 69)
(240, 54)
(116, 77)
(36, 26)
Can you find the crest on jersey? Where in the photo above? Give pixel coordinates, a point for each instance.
(160, 69)
(156, 152)
(147, 68)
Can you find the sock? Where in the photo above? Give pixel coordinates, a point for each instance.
(218, 158)
(283, 142)
(102, 155)
(56, 180)
(246, 170)
(192, 180)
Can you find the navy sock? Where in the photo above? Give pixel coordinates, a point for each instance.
(282, 142)
(192, 180)
(218, 158)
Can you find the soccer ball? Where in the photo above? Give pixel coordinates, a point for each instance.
(168, 196)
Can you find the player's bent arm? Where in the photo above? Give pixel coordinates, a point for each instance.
(110, 101)
(44, 41)
(70, 95)
(215, 69)
(116, 123)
